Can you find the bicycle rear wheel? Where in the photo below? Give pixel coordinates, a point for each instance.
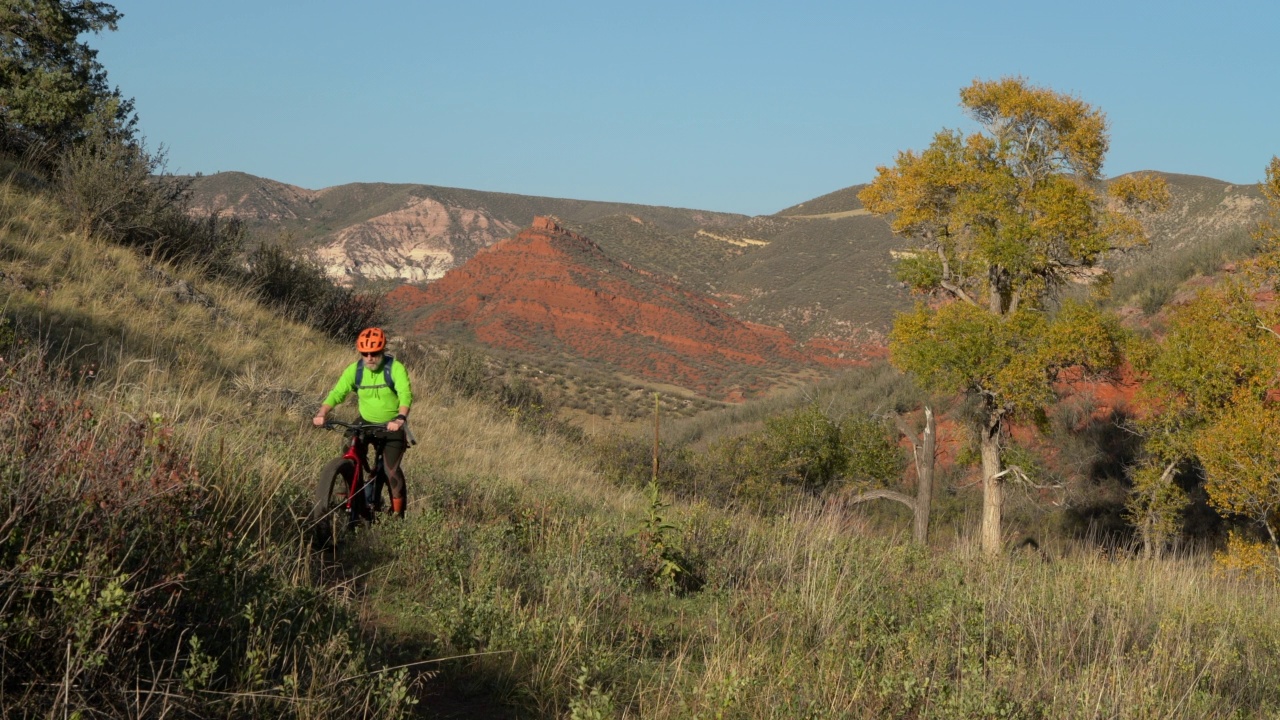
(329, 515)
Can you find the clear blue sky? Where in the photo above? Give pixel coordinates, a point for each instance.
(740, 106)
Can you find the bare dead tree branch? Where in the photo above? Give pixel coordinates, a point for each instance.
(881, 494)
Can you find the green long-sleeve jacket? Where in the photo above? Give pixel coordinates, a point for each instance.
(378, 404)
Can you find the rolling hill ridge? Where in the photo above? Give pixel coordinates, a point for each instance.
(403, 232)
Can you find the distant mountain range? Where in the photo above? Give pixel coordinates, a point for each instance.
(822, 270)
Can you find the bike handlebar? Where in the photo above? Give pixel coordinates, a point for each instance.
(329, 425)
(359, 427)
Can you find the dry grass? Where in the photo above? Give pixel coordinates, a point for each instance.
(486, 445)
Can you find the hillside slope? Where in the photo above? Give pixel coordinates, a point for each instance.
(822, 271)
(1207, 226)
(153, 472)
(827, 275)
(819, 268)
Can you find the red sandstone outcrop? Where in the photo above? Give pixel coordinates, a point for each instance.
(551, 290)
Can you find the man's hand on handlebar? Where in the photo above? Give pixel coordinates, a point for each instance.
(332, 424)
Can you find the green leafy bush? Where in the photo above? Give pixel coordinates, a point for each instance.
(659, 555)
(799, 450)
(873, 451)
(804, 448)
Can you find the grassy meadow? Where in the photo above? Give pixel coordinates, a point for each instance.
(154, 559)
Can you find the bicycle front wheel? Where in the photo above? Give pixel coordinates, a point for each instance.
(329, 515)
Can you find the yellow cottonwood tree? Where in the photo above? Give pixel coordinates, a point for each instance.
(1001, 220)
(1269, 228)
(1241, 460)
(1217, 352)
(1211, 377)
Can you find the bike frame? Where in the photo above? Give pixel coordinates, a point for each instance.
(357, 452)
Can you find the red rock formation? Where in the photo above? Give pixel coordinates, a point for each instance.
(1103, 396)
(552, 291)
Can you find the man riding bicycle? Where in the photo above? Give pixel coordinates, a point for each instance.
(385, 395)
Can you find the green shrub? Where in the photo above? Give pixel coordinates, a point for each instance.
(105, 182)
(800, 451)
(873, 450)
(659, 555)
(804, 448)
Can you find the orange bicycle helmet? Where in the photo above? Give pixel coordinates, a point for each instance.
(371, 340)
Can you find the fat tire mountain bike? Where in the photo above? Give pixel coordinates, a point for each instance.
(349, 492)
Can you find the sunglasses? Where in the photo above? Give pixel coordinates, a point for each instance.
(372, 354)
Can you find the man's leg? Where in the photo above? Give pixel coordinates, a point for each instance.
(392, 453)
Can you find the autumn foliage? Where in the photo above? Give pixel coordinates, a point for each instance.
(1000, 221)
(1213, 376)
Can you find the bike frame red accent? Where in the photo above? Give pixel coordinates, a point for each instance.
(355, 454)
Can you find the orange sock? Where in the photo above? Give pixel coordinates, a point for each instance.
(397, 506)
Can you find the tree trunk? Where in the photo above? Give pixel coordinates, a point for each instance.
(992, 489)
(924, 454)
(924, 450)
(1152, 540)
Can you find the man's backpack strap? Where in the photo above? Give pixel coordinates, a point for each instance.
(387, 362)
